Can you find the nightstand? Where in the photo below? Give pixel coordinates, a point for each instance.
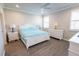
(13, 36)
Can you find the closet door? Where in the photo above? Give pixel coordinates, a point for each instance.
(1, 40)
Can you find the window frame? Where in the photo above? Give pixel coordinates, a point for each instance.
(71, 20)
(44, 22)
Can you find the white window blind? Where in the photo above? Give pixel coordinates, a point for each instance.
(74, 20)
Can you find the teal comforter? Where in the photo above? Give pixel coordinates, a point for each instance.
(32, 32)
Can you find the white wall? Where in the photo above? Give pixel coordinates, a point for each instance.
(1, 43)
(1, 36)
(63, 20)
(19, 18)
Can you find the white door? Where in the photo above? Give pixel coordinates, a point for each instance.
(1, 41)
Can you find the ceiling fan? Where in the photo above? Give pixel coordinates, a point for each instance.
(44, 8)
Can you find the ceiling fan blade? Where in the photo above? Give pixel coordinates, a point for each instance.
(45, 5)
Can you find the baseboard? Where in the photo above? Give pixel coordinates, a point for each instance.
(66, 39)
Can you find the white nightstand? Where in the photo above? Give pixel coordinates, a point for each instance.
(13, 36)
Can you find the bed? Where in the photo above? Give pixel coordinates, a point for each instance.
(31, 35)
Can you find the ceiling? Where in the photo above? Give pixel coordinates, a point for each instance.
(35, 8)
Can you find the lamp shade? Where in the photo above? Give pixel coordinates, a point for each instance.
(13, 27)
(55, 25)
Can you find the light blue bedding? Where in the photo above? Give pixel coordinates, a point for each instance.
(32, 31)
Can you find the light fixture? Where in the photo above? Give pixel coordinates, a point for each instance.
(17, 6)
(42, 11)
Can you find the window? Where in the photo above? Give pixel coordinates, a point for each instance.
(74, 20)
(46, 21)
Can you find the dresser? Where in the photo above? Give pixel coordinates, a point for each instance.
(56, 33)
(74, 44)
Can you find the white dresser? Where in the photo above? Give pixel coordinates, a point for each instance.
(74, 44)
(56, 33)
(13, 36)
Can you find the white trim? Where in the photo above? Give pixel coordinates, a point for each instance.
(66, 39)
(19, 10)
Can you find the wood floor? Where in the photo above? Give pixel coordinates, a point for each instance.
(52, 47)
